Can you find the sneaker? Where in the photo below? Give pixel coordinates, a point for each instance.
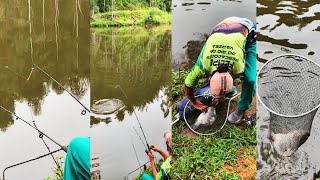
(236, 116)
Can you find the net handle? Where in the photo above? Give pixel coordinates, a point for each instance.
(257, 89)
(225, 121)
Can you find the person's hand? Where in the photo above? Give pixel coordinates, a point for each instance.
(64, 148)
(154, 147)
(200, 106)
(151, 156)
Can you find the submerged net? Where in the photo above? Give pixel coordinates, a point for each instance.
(107, 106)
(288, 134)
(288, 86)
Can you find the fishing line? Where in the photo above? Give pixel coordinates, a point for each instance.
(30, 160)
(143, 165)
(85, 108)
(140, 137)
(136, 118)
(41, 137)
(148, 147)
(27, 79)
(19, 118)
(135, 152)
(31, 72)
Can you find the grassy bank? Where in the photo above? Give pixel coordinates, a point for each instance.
(152, 16)
(230, 154)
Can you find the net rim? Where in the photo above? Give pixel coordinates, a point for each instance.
(257, 89)
(224, 123)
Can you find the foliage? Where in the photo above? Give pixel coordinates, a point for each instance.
(203, 157)
(57, 171)
(101, 6)
(177, 81)
(152, 16)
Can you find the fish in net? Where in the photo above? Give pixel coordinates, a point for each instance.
(212, 121)
(288, 86)
(205, 118)
(107, 106)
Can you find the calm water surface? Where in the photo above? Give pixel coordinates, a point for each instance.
(139, 61)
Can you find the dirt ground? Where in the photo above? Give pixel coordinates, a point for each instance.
(245, 166)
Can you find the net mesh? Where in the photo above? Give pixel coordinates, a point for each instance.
(107, 106)
(213, 120)
(288, 134)
(288, 85)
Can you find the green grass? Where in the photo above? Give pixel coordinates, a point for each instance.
(152, 16)
(57, 171)
(204, 157)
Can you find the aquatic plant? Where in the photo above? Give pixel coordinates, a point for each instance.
(57, 171)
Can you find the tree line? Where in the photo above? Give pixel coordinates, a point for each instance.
(101, 6)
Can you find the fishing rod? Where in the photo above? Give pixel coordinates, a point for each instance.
(143, 165)
(27, 79)
(41, 137)
(85, 108)
(135, 152)
(136, 118)
(139, 137)
(40, 132)
(30, 160)
(148, 147)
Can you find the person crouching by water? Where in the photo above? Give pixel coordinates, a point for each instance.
(230, 49)
(164, 173)
(77, 163)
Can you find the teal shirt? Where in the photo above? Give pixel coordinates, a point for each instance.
(77, 164)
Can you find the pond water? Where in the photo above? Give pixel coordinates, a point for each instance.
(192, 19)
(287, 27)
(139, 61)
(53, 35)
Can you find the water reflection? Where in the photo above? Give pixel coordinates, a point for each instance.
(59, 57)
(287, 27)
(138, 60)
(55, 36)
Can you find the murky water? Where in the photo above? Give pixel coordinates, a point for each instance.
(287, 27)
(48, 38)
(192, 19)
(139, 61)
(290, 27)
